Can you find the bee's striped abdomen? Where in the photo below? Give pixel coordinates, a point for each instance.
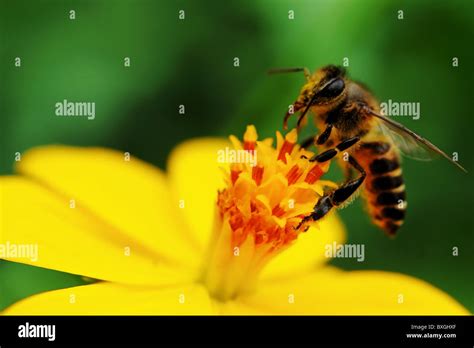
(384, 186)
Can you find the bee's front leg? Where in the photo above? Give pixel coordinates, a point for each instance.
(329, 154)
(324, 136)
(318, 140)
(339, 195)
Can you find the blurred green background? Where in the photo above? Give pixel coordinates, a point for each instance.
(190, 62)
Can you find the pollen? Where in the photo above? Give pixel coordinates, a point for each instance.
(260, 208)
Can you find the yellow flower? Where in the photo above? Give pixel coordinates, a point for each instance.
(196, 240)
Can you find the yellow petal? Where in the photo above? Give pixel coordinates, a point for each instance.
(54, 235)
(130, 195)
(195, 175)
(330, 291)
(114, 299)
(308, 251)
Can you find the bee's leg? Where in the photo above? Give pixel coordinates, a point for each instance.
(341, 194)
(319, 140)
(324, 136)
(329, 154)
(337, 196)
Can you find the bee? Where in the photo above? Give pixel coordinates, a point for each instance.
(351, 123)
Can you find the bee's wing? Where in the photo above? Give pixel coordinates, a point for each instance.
(407, 145)
(410, 144)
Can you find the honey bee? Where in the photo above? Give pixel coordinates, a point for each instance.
(350, 122)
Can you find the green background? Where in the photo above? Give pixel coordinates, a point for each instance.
(190, 62)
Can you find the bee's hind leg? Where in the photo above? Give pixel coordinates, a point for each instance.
(336, 197)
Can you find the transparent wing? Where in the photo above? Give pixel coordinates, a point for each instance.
(408, 146)
(410, 143)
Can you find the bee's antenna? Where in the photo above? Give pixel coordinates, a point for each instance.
(284, 70)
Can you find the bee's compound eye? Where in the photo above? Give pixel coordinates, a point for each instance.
(333, 89)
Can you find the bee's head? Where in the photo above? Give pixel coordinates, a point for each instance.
(325, 88)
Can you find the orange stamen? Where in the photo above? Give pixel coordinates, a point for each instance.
(249, 145)
(234, 175)
(288, 145)
(250, 138)
(293, 174)
(257, 174)
(286, 148)
(278, 211)
(314, 174)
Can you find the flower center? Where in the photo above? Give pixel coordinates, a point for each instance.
(259, 210)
